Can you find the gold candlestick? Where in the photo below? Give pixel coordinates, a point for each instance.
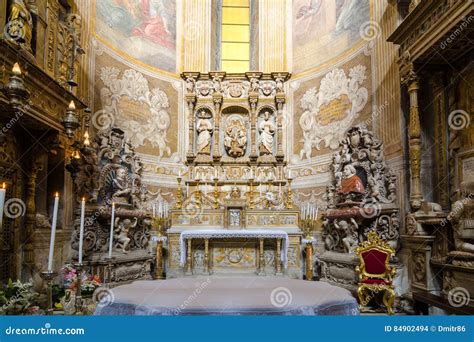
(289, 196)
(159, 259)
(216, 194)
(48, 277)
(309, 261)
(179, 195)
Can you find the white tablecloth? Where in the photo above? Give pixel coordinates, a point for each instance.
(223, 234)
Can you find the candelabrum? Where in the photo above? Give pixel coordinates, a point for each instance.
(108, 277)
(48, 277)
(179, 195)
(216, 194)
(307, 226)
(78, 304)
(159, 224)
(289, 196)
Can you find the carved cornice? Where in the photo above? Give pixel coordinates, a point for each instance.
(429, 24)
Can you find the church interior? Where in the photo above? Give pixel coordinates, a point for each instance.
(228, 157)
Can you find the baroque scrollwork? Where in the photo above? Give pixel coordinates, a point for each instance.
(336, 90)
(361, 197)
(134, 86)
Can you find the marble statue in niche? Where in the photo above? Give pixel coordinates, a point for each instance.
(204, 129)
(235, 141)
(267, 130)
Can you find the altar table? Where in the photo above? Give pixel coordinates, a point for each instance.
(186, 237)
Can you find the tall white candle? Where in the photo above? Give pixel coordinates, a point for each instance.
(289, 174)
(316, 216)
(154, 209)
(3, 191)
(251, 173)
(81, 231)
(179, 173)
(53, 232)
(215, 173)
(111, 237)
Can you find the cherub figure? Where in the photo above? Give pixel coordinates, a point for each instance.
(122, 230)
(351, 238)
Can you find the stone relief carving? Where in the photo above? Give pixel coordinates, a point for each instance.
(110, 171)
(235, 140)
(329, 112)
(134, 86)
(462, 221)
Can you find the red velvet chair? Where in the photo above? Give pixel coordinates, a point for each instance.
(375, 273)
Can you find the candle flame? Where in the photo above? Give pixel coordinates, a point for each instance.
(4, 186)
(56, 194)
(16, 69)
(86, 139)
(83, 199)
(72, 106)
(113, 204)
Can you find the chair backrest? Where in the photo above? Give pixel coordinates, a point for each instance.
(374, 255)
(375, 261)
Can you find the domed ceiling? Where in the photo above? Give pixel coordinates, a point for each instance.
(323, 30)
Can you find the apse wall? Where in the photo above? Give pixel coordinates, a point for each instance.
(344, 73)
(134, 83)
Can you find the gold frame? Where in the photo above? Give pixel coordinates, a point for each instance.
(375, 242)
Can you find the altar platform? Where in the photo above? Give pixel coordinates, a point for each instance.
(249, 295)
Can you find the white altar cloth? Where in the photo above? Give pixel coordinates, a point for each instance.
(241, 233)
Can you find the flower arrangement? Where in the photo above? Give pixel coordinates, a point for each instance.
(88, 282)
(17, 298)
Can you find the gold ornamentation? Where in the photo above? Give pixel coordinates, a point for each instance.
(374, 242)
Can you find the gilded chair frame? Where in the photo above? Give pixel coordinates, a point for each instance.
(374, 242)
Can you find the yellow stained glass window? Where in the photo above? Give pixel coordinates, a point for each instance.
(235, 36)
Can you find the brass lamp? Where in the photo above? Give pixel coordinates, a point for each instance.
(15, 89)
(70, 121)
